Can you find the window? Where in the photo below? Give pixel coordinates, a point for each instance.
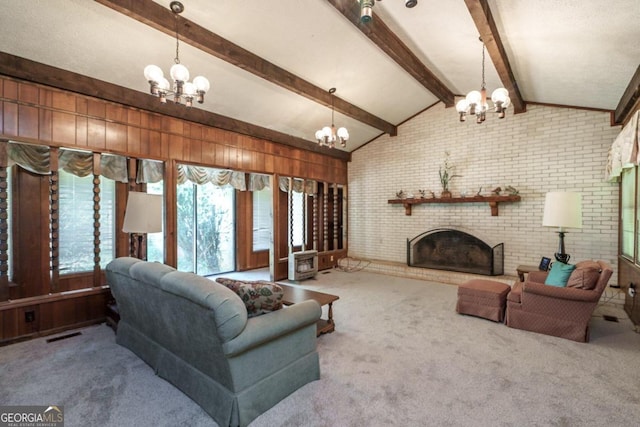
(9, 222)
(206, 228)
(627, 195)
(155, 241)
(76, 222)
(297, 218)
(262, 223)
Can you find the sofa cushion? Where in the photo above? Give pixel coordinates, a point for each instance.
(585, 276)
(259, 297)
(559, 274)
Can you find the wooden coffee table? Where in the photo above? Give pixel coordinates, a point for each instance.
(294, 294)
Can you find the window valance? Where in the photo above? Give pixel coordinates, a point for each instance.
(36, 159)
(624, 150)
(150, 171)
(220, 177)
(299, 185)
(258, 181)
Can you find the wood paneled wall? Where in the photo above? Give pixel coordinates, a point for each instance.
(246, 258)
(43, 115)
(629, 273)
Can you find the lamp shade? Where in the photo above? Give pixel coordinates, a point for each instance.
(562, 209)
(143, 213)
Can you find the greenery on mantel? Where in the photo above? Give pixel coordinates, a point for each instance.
(447, 172)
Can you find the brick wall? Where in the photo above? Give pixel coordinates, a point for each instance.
(544, 149)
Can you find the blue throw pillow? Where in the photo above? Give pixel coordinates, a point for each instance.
(559, 274)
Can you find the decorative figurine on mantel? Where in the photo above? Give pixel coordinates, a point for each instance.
(479, 193)
(511, 190)
(447, 173)
(401, 194)
(423, 193)
(496, 191)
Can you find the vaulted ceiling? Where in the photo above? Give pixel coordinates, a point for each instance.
(271, 63)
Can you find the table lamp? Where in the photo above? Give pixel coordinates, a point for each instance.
(562, 210)
(143, 215)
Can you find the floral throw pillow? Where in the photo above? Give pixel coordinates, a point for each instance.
(259, 297)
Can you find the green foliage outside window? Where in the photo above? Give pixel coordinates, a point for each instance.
(205, 228)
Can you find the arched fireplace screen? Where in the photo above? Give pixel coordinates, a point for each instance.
(454, 250)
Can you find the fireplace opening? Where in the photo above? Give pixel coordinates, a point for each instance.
(454, 250)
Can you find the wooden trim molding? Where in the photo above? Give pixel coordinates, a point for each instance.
(315, 220)
(629, 101)
(4, 224)
(325, 216)
(97, 274)
(54, 219)
(336, 220)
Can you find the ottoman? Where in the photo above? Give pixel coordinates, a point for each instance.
(483, 298)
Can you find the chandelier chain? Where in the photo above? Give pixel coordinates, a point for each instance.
(332, 110)
(177, 58)
(483, 82)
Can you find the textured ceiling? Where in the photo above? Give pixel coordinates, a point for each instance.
(565, 52)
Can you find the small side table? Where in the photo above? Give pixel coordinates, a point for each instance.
(522, 269)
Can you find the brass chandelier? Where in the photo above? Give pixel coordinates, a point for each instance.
(475, 103)
(328, 136)
(182, 89)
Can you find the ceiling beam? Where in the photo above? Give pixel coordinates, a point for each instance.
(162, 19)
(390, 44)
(481, 15)
(24, 69)
(629, 98)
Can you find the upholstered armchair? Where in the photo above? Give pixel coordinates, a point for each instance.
(559, 311)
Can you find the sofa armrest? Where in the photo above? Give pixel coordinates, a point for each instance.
(558, 292)
(270, 326)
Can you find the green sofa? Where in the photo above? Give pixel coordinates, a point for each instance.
(195, 333)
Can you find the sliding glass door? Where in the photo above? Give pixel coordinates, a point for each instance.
(206, 228)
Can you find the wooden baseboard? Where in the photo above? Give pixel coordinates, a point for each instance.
(54, 331)
(32, 317)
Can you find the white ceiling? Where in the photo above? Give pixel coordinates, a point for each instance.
(566, 52)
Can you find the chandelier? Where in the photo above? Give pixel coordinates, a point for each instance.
(182, 89)
(366, 9)
(476, 104)
(327, 136)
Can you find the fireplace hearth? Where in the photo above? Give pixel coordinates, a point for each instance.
(454, 250)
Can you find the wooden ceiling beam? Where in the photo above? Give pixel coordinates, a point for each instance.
(24, 69)
(481, 15)
(629, 99)
(388, 41)
(162, 19)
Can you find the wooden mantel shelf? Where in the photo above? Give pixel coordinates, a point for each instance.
(491, 200)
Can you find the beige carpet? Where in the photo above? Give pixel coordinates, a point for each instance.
(400, 356)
